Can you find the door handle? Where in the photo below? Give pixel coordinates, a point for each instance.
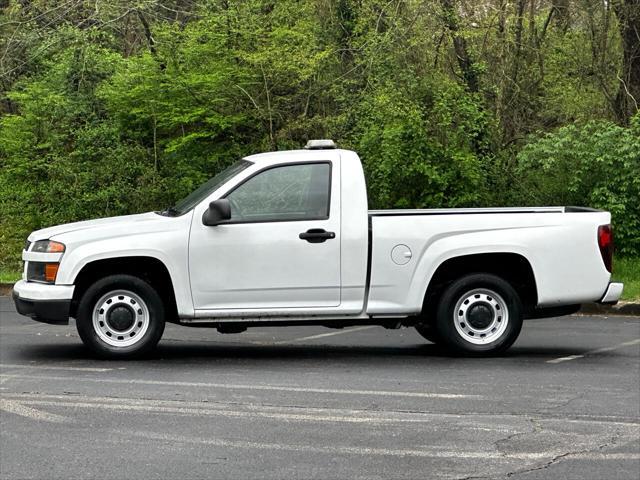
(317, 235)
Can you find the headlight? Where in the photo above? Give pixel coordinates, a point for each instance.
(48, 246)
(42, 272)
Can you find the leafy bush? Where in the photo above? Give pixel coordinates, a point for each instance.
(596, 164)
(416, 151)
(61, 160)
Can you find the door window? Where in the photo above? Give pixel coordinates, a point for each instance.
(285, 193)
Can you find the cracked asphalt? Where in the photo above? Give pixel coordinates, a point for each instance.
(308, 402)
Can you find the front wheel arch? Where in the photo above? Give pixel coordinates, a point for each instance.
(149, 269)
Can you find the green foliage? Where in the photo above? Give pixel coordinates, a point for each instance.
(106, 109)
(60, 159)
(595, 164)
(179, 105)
(627, 271)
(9, 276)
(409, 159)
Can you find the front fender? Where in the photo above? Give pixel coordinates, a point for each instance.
(173, 255)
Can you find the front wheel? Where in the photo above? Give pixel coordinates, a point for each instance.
(479, 314)
(429, 332)
(120, 316)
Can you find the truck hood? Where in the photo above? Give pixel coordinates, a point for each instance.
(123, 224)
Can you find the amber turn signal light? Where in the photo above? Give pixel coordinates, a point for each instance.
(51, 271)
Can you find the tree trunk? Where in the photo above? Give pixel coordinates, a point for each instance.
(147, 32)
(559, 14)
(627, 100)
(511, 114)
(561, 8)
(465, 61)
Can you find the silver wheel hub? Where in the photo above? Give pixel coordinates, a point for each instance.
(481, 316)
(121, 318)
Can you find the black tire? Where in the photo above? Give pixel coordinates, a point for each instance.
(132, 307)
(428, 332)
(479, 314)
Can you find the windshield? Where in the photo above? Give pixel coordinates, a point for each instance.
(204, 190)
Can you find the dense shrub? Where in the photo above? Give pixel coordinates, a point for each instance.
(416, 151)
(596, 164)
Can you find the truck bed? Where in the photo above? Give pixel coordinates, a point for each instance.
(559, 243)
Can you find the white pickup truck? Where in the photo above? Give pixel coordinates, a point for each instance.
(285, 238)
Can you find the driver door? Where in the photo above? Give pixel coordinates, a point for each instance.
(280, 249)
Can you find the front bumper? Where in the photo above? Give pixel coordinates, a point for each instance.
(613, 294)
(42, 302)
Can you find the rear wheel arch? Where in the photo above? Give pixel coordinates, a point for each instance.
(150, 269)
(514, 268)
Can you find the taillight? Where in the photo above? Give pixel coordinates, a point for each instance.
(605, 242)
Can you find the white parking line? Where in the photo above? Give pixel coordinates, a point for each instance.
(225, 409)
(615, 347)
(276, 388)
(321, 335)
(424, 451)
(18, 409)
(565, 359)
(55, 367)
(597, 350)
(498, 422)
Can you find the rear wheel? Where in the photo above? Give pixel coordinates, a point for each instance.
(120, 316)
(479, 314)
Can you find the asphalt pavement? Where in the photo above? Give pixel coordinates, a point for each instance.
(314, 403)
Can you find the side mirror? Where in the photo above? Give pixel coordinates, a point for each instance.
(218, 212)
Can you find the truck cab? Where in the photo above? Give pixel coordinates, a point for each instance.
(293, 238)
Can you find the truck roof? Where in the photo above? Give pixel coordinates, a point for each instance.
(294, 156)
